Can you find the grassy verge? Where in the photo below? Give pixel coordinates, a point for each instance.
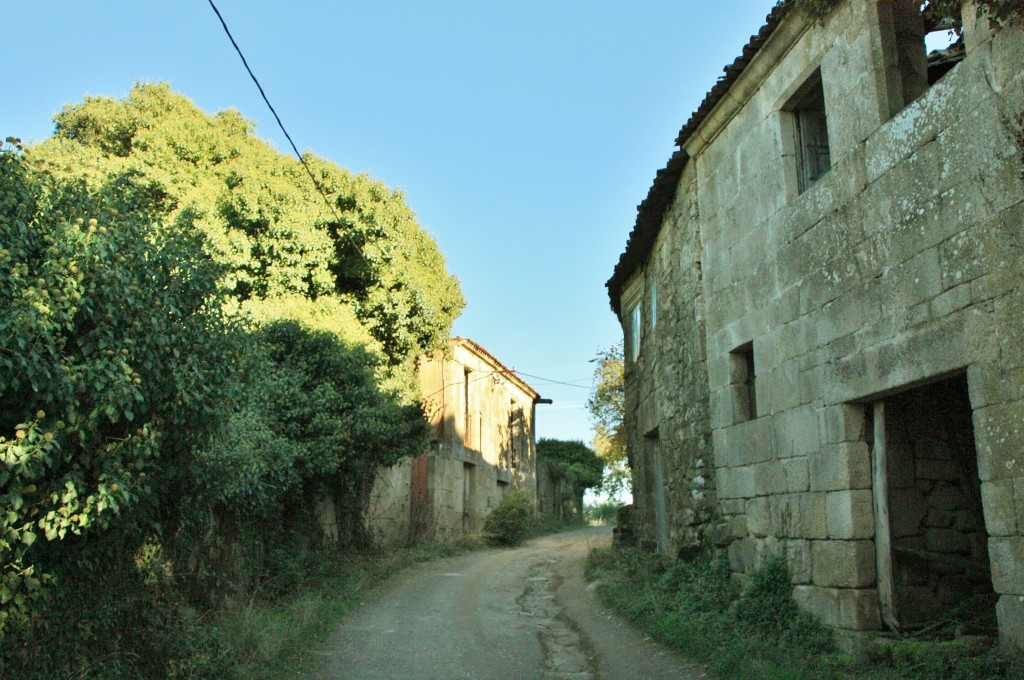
(755, 631)
(276, 638)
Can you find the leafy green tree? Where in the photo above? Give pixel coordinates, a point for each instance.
(574, 467)
(607, 408)
(573, 461)
(114, 356)
(263, 219)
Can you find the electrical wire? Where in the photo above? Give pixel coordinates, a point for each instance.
(320, 190)
(280, 124)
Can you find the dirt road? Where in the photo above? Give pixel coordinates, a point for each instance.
(514, 614)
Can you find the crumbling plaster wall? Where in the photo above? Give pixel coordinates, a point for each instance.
(904, 263)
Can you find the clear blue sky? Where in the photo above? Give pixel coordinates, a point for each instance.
(523, 134)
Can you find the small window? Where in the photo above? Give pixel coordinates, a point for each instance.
(810, 131)
(744, 381)
(634, 331)
(654, 303)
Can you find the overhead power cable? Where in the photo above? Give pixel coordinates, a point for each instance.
(280, 124)
(553, 381)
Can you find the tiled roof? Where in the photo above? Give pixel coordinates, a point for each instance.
(651, 211)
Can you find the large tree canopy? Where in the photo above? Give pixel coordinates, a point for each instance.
(361, 248)
(192, 345)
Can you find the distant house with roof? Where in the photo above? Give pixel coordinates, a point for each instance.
(482, 446)
(823, 306)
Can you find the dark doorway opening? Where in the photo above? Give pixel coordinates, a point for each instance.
(923, 440)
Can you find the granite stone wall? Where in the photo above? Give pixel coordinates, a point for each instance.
(791, 322)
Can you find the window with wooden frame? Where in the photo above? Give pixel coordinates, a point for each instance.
(809, 128)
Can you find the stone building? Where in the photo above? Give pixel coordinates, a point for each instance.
(823, 306)
(482, 445)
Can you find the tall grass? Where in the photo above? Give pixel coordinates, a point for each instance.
(755, 631)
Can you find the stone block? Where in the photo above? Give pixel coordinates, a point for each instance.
(998, 501)
(947, 497)
(721, 534)
(719, 372)
(751, 442)
(758, 513)
(797, 474)
(1010, 614)
(843, 564)
(799, 515)
(732, 506)
(722, 408)
(796, 432)
(936, 469)
(811, 384)
(989, 383)
(907, 510)
(813, 523)
(737, 482)
(1010, 330)
(947, 541)
(738, 526)
(785, 388)
(952, 300)
(798, 560)
(1006, 554)
(769, 479)
(721, 449)
(743, 555)
(821, 603)
(785, 307)
(940, 519)
(844, 423)
(1007, 53)
(841, 466)
(859, 609)
(850, 514)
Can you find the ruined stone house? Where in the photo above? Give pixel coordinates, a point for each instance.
(482, 446)
(823, 305)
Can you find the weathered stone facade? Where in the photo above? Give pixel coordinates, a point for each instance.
(823, 304)
(482, 446)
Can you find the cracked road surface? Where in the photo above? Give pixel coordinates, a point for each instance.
(522, 614)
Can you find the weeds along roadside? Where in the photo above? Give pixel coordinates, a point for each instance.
(755, 631)
(276, 639)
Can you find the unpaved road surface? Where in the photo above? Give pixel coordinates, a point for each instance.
(514, 614)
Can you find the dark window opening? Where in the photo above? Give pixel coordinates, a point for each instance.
(744, 381)
(467, 420)
(634, 327)
(810, 130)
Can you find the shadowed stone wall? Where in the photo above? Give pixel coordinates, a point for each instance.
(788, 312)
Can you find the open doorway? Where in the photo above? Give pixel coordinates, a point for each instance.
(933, 565)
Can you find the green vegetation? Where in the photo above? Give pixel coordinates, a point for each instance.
(197, 350)
(604, 512)
(607, 406)
(755, 630)
(511, 521)
(276, 237)
(274, 639)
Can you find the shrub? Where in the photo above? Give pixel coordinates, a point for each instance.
(606, 512)
(511, 520)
